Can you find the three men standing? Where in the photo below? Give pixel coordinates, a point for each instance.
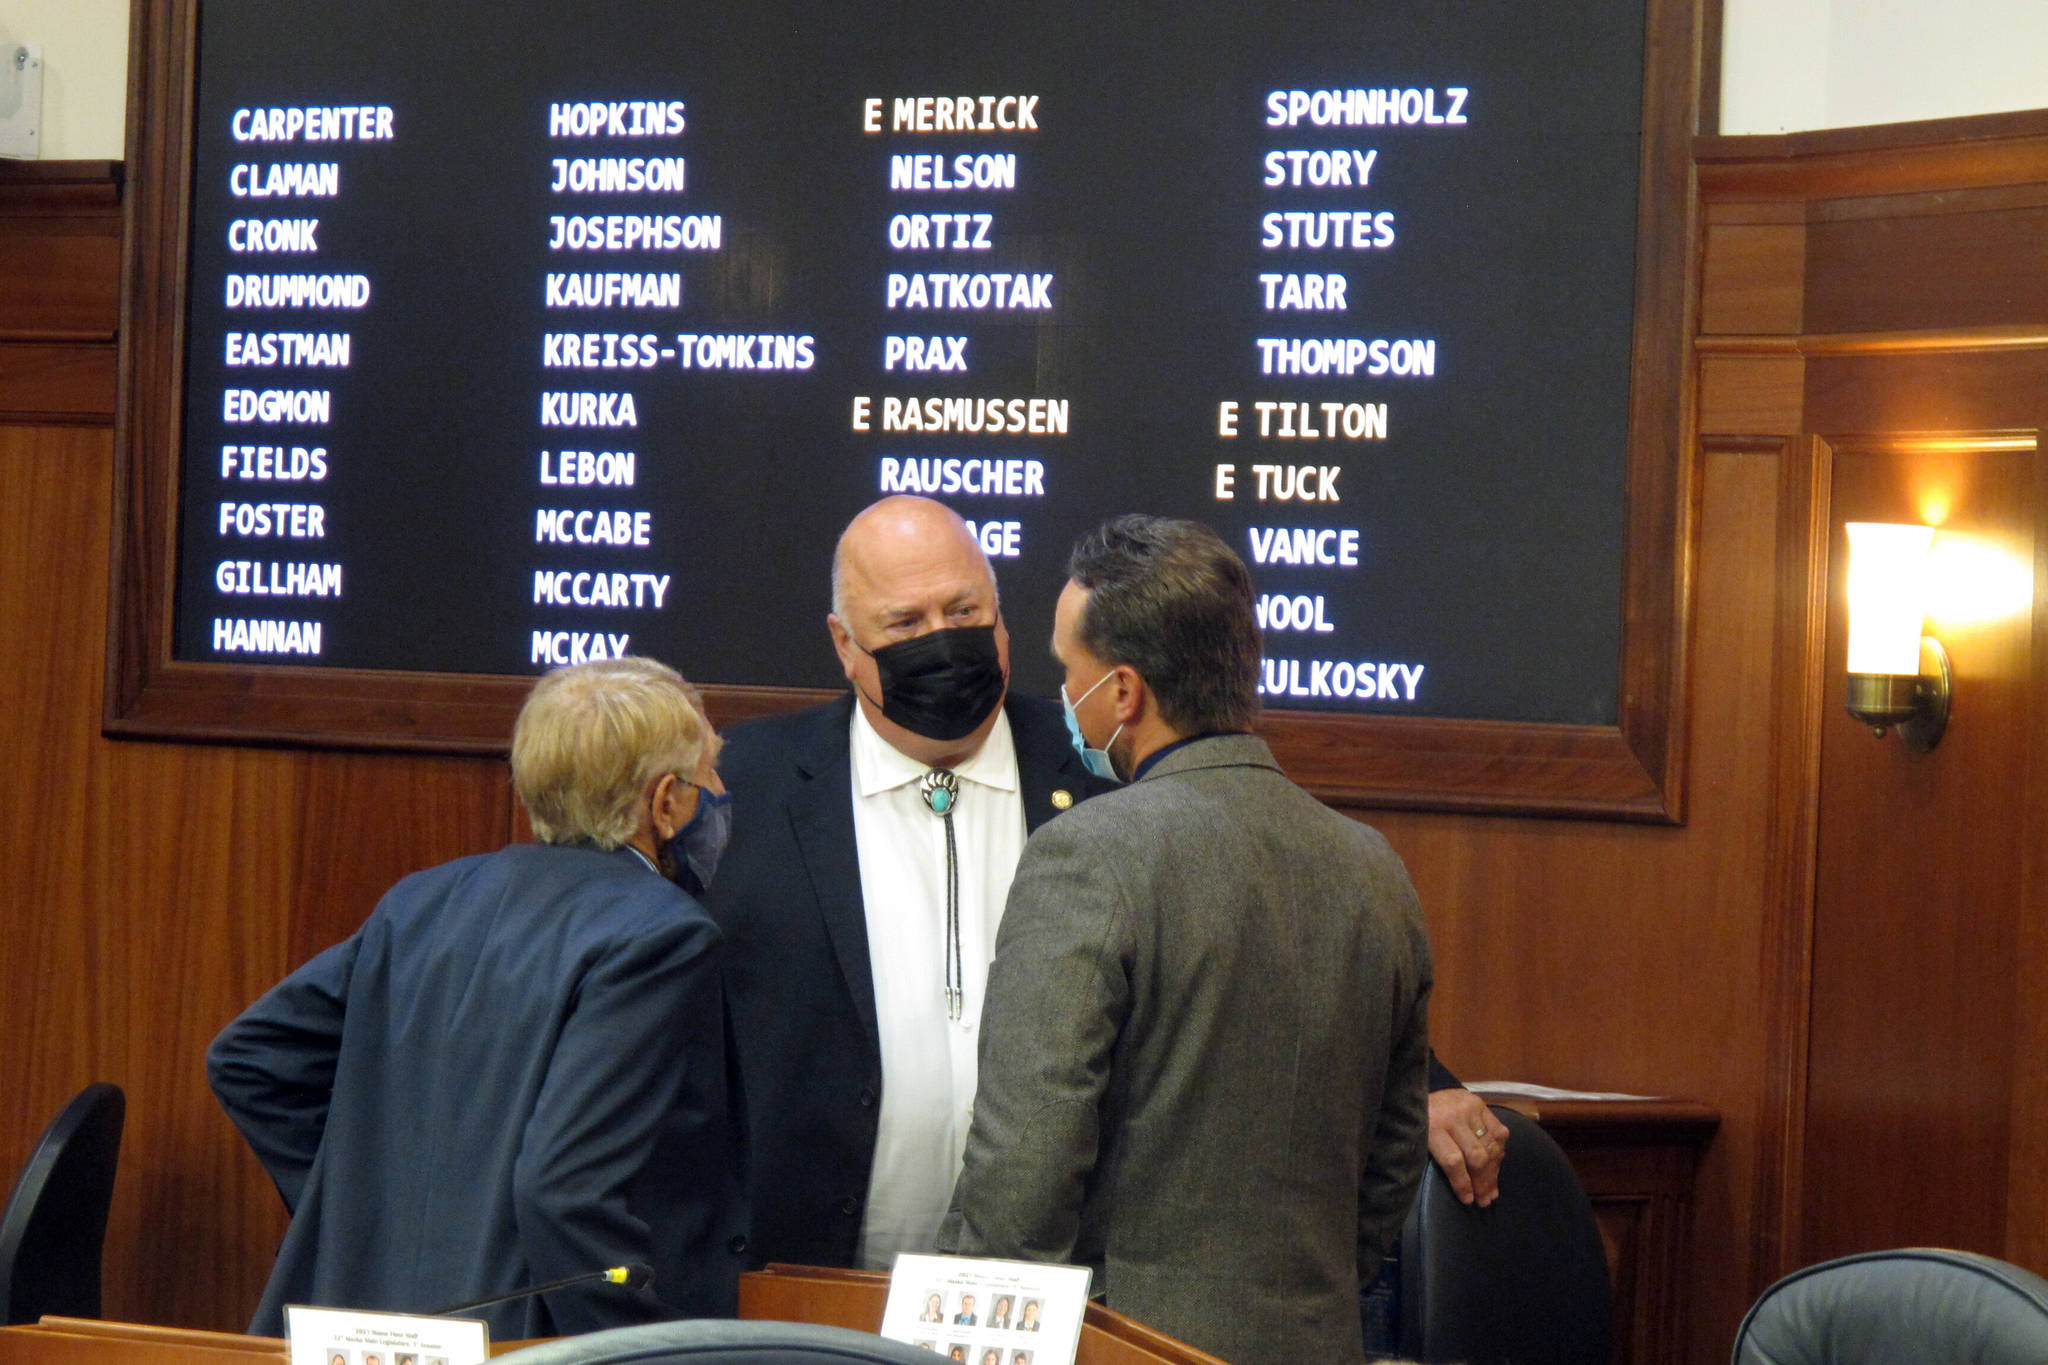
(1199, 1051)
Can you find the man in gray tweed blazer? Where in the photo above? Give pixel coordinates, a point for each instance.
(1203, 1047)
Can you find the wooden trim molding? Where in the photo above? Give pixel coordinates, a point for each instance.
(56, 384)
(1632, 770)
(58, 186)
(60, 252)
(1949, 341)
(1785, 975)
(1894, 158)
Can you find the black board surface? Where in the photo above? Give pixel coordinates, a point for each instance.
(1367, 267)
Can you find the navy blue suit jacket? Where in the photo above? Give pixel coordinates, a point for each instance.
(516, 1070)
(788, 897)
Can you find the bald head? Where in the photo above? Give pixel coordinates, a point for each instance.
(907, 567)
(900, 536)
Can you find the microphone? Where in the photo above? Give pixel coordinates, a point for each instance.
(633, 1275)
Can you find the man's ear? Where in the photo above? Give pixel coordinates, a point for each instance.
(1131, 694)
(842, 644)
(662, 802)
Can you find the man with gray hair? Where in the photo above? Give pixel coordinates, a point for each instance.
(516, 1071)
(1203, 1051)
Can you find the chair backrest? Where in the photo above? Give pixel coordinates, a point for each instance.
(1523, 1282)
(1921, 1304)
(708, 1341)
(56, 1220)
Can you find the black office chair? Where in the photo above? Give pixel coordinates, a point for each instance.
(1523, 1282)
(1928, 1306)
(56, 1219)
(706, 1341)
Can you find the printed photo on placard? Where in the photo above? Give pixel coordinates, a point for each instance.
(986, 1309)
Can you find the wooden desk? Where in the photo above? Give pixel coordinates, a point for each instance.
(837, 1298)
(1636, 1159)
(88, 1341)
(84, 1341)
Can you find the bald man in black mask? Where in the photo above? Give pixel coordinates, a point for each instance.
(872, 847)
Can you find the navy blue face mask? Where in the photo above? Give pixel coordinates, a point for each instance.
(692, 855)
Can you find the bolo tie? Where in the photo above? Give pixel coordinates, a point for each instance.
(941, 792)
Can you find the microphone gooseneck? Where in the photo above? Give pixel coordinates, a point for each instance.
(633, 1275)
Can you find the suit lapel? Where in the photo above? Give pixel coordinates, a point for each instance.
(821, 819)
(1049, 772)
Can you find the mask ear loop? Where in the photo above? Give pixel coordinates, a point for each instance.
(1111, 756)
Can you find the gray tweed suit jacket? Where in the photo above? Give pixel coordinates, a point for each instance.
(1203, 1057)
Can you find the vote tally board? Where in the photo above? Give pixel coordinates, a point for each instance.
(527, 333)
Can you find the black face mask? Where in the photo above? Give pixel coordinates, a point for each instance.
(942, 684)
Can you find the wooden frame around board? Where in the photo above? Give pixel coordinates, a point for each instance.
(1632, 770)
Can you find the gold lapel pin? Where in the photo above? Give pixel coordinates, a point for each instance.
(1062, 799)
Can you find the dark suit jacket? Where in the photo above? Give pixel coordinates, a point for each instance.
(788, 897)
(1203, 1058)
(515, 1071)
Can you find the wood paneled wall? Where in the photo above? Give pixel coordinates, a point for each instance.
(149, 891)
(1879, 295)
(1840, 950)
(1919, 891)
(1615, 958)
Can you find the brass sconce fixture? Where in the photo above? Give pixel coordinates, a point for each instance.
(1898, 677)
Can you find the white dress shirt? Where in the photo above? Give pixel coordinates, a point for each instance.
(928, 1059)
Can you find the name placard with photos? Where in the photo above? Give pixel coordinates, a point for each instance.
(339, 1336)
(986, 1312)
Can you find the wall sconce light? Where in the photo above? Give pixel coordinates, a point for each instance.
(1897, 676)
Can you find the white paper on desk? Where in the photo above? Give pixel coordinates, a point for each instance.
(1529, 1091)
(341, 1336)
(1024, 1312)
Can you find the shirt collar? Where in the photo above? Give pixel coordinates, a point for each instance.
(1163, 750)
(615, 850)
(879, 766)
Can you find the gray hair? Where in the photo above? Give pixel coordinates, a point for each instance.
(593, 738)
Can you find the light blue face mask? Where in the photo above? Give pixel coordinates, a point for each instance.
(1094, 760)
